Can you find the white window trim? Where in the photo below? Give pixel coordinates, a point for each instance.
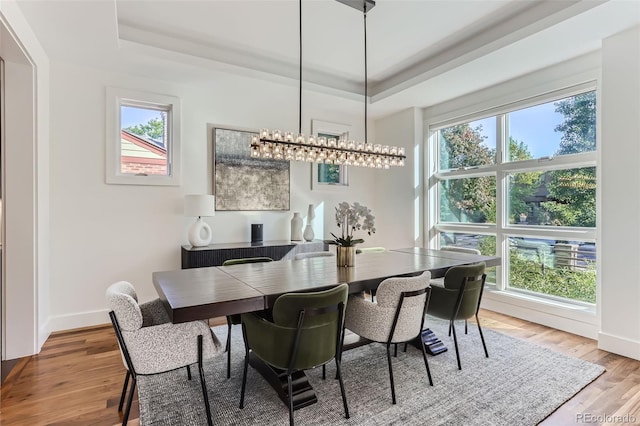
(115, 97)
(336, 129)
(500, 170)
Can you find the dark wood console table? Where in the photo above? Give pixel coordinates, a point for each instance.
(216, 254)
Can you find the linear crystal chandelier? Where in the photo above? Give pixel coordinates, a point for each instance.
(287, 146)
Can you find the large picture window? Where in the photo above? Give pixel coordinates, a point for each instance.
(522, 185)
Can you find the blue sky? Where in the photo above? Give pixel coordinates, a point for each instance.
(130, 116)
(533, 126)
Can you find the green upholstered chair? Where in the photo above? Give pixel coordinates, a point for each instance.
(468, 250)
(397, 317)
(440, 281)
(306, 332)
(235, 319)
(459, 298)
(246, 260)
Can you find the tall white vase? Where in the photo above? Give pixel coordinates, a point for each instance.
(296, 227)
(308, 230)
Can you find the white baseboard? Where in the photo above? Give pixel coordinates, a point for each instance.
(78, 320)
(43, 334)
(571, 319)
(619, 345)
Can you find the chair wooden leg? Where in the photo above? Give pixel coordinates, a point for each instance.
(484, 345)
(324, 372)
(450, 325)
(405, 347)
(344, 395)
(125, 419)
(290, 394)
(426, 363)
(124, 390)
(189, 372)
(393, 389)
(205, 394)
(455, 342)
(228, 347)
(465, 327)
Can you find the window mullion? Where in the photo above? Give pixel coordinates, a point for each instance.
(502, 215)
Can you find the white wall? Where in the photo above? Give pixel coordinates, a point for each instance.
(620, 200)
(398, 190)
(103, 233)
(26, 198)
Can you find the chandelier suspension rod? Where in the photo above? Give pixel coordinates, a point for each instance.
(366, 101)
(300, 61)
(338, 150)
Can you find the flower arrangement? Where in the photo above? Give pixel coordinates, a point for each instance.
(351, 218)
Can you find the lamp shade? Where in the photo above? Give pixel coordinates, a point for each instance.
(199, 205)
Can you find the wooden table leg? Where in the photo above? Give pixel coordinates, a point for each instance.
(303, 393)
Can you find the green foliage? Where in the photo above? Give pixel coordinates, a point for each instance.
(469, 200)
(572, 195)
(521, 185)
(574, 284)
(347, 241)
(463, 146)
(579, 125)
(572, 192)
(153, 129)
(328, 173)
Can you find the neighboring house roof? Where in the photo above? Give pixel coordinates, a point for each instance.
(138, 148)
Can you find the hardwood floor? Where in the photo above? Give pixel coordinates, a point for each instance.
(77, 378)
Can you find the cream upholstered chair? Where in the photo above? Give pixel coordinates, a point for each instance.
(155, 349)
(301, 256)
(153, 313)
(396, 317)
(461, 249)
(370, 250)
(364, 250)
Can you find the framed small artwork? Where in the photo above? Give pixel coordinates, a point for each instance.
(329, 177)
(242, 183)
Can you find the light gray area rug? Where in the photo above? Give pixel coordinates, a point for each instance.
(519, 384)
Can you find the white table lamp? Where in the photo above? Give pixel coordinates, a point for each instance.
(199, 206)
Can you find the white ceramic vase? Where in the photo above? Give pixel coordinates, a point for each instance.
(308, 230)
(296, 227)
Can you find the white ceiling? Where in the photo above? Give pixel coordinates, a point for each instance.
(420, 52)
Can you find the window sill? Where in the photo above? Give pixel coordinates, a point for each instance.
(574, 318)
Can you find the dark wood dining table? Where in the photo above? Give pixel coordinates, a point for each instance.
(203, 293)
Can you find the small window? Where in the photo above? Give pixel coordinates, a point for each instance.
(143, 138)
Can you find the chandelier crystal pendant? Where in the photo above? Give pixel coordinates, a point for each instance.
(287, 146)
